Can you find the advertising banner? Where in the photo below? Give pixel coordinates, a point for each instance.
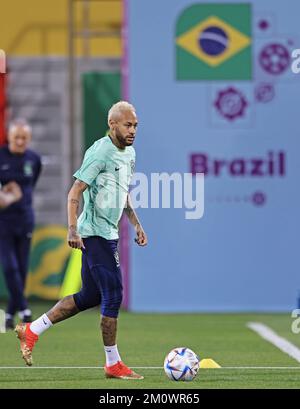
(215, 93)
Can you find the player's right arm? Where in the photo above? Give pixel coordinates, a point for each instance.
(74, 196)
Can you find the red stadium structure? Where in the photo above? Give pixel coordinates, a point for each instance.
(2, 108)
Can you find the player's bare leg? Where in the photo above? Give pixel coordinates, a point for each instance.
(109, 334)
(109, 330)
(64, 309)
(28, 334)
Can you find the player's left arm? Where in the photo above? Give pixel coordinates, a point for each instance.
(141, 237)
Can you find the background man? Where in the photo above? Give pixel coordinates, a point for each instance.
(23, 166)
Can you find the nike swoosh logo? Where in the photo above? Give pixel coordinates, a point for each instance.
(116, 169)
(44, 322)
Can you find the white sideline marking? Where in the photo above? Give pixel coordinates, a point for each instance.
(281, 343)
(144, 367)
(73, 367)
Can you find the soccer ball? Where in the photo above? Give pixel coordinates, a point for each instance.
(181, 364)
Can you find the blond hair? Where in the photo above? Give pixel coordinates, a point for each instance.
(117, 109)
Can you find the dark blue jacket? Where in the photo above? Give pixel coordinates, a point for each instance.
(24, 169)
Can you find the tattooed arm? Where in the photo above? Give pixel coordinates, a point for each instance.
(74, 239)
(141, 237)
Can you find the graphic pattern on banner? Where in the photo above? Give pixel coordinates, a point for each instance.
(214, 42)
(223, 100)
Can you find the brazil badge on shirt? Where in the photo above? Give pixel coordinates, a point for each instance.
(213, 42)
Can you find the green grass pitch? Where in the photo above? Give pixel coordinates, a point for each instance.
(143, 341)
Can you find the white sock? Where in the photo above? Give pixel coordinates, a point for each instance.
(40, 325)
(112, 355)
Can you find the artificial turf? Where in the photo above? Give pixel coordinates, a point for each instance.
(143, 341)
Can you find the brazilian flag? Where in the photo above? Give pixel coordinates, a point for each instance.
(213, 42)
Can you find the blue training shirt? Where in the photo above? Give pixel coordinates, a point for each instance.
(23, 169)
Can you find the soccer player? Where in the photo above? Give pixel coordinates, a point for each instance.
(103, 179)
(18, 165)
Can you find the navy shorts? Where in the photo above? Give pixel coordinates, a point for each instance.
(101, 277)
